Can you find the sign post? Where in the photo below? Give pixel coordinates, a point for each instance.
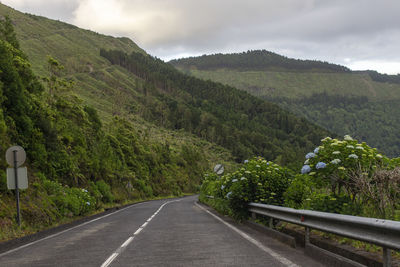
(16, 187)
(15, 157)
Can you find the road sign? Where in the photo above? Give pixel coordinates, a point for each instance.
(219, 169)
(22, 178)
(20, 156)
(16, 156)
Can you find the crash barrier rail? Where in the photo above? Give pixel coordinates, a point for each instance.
(385, 233)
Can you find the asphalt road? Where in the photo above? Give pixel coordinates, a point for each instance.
(176, 232)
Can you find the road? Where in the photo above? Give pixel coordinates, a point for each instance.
(175, 232)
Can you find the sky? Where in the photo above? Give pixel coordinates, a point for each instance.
(359, 34)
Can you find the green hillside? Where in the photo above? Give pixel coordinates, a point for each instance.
(86, 149)
(362, 104)
(103, 123)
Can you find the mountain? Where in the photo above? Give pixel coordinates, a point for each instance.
(103, 122)
(363, 104)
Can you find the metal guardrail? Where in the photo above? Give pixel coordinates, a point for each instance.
(385, 233)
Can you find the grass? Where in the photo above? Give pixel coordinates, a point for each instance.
(295, 85)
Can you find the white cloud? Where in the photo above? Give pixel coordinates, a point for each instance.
(365, 31)
(54, 9)
(382, 66)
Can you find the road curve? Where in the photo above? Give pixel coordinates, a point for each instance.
(176, 232)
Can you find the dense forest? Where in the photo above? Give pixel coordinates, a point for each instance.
(255, 60)
(374, 122)
(222, 114)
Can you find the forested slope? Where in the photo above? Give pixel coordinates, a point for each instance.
(222, 114)
(363, 104)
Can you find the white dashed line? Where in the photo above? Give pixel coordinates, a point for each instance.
(109, 260)
(129, 240)
(126, 243)
(277, 256)
(138, 231)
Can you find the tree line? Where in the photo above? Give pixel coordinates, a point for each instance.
(256, 60)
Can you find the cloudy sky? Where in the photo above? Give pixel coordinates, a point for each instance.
(360, 34)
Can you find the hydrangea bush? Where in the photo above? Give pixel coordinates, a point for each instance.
(257, 181)
(335, 161)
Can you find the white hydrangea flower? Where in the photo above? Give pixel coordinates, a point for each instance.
(348, 138)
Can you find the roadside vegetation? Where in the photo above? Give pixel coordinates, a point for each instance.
(338, 176)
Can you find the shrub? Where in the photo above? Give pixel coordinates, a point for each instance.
(257, 181)
(69, 201)
(105, 190)
(324, 202)
(299, 189)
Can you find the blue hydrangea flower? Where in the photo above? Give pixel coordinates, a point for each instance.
(88, 203)
(316, 150)
(305, 169)
(310, 155)
(320, 165)
(222, 187)
(246, 161)
(229, 194)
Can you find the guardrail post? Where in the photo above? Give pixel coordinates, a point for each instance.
(387, 257)
(307, 236)
(253, 216)
(271, 222)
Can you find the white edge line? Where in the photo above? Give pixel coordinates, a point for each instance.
(277, 256)
(67, 230)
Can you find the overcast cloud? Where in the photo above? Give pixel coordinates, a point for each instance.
(360, 34)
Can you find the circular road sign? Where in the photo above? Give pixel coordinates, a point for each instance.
(21, 155)
(219, 169)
